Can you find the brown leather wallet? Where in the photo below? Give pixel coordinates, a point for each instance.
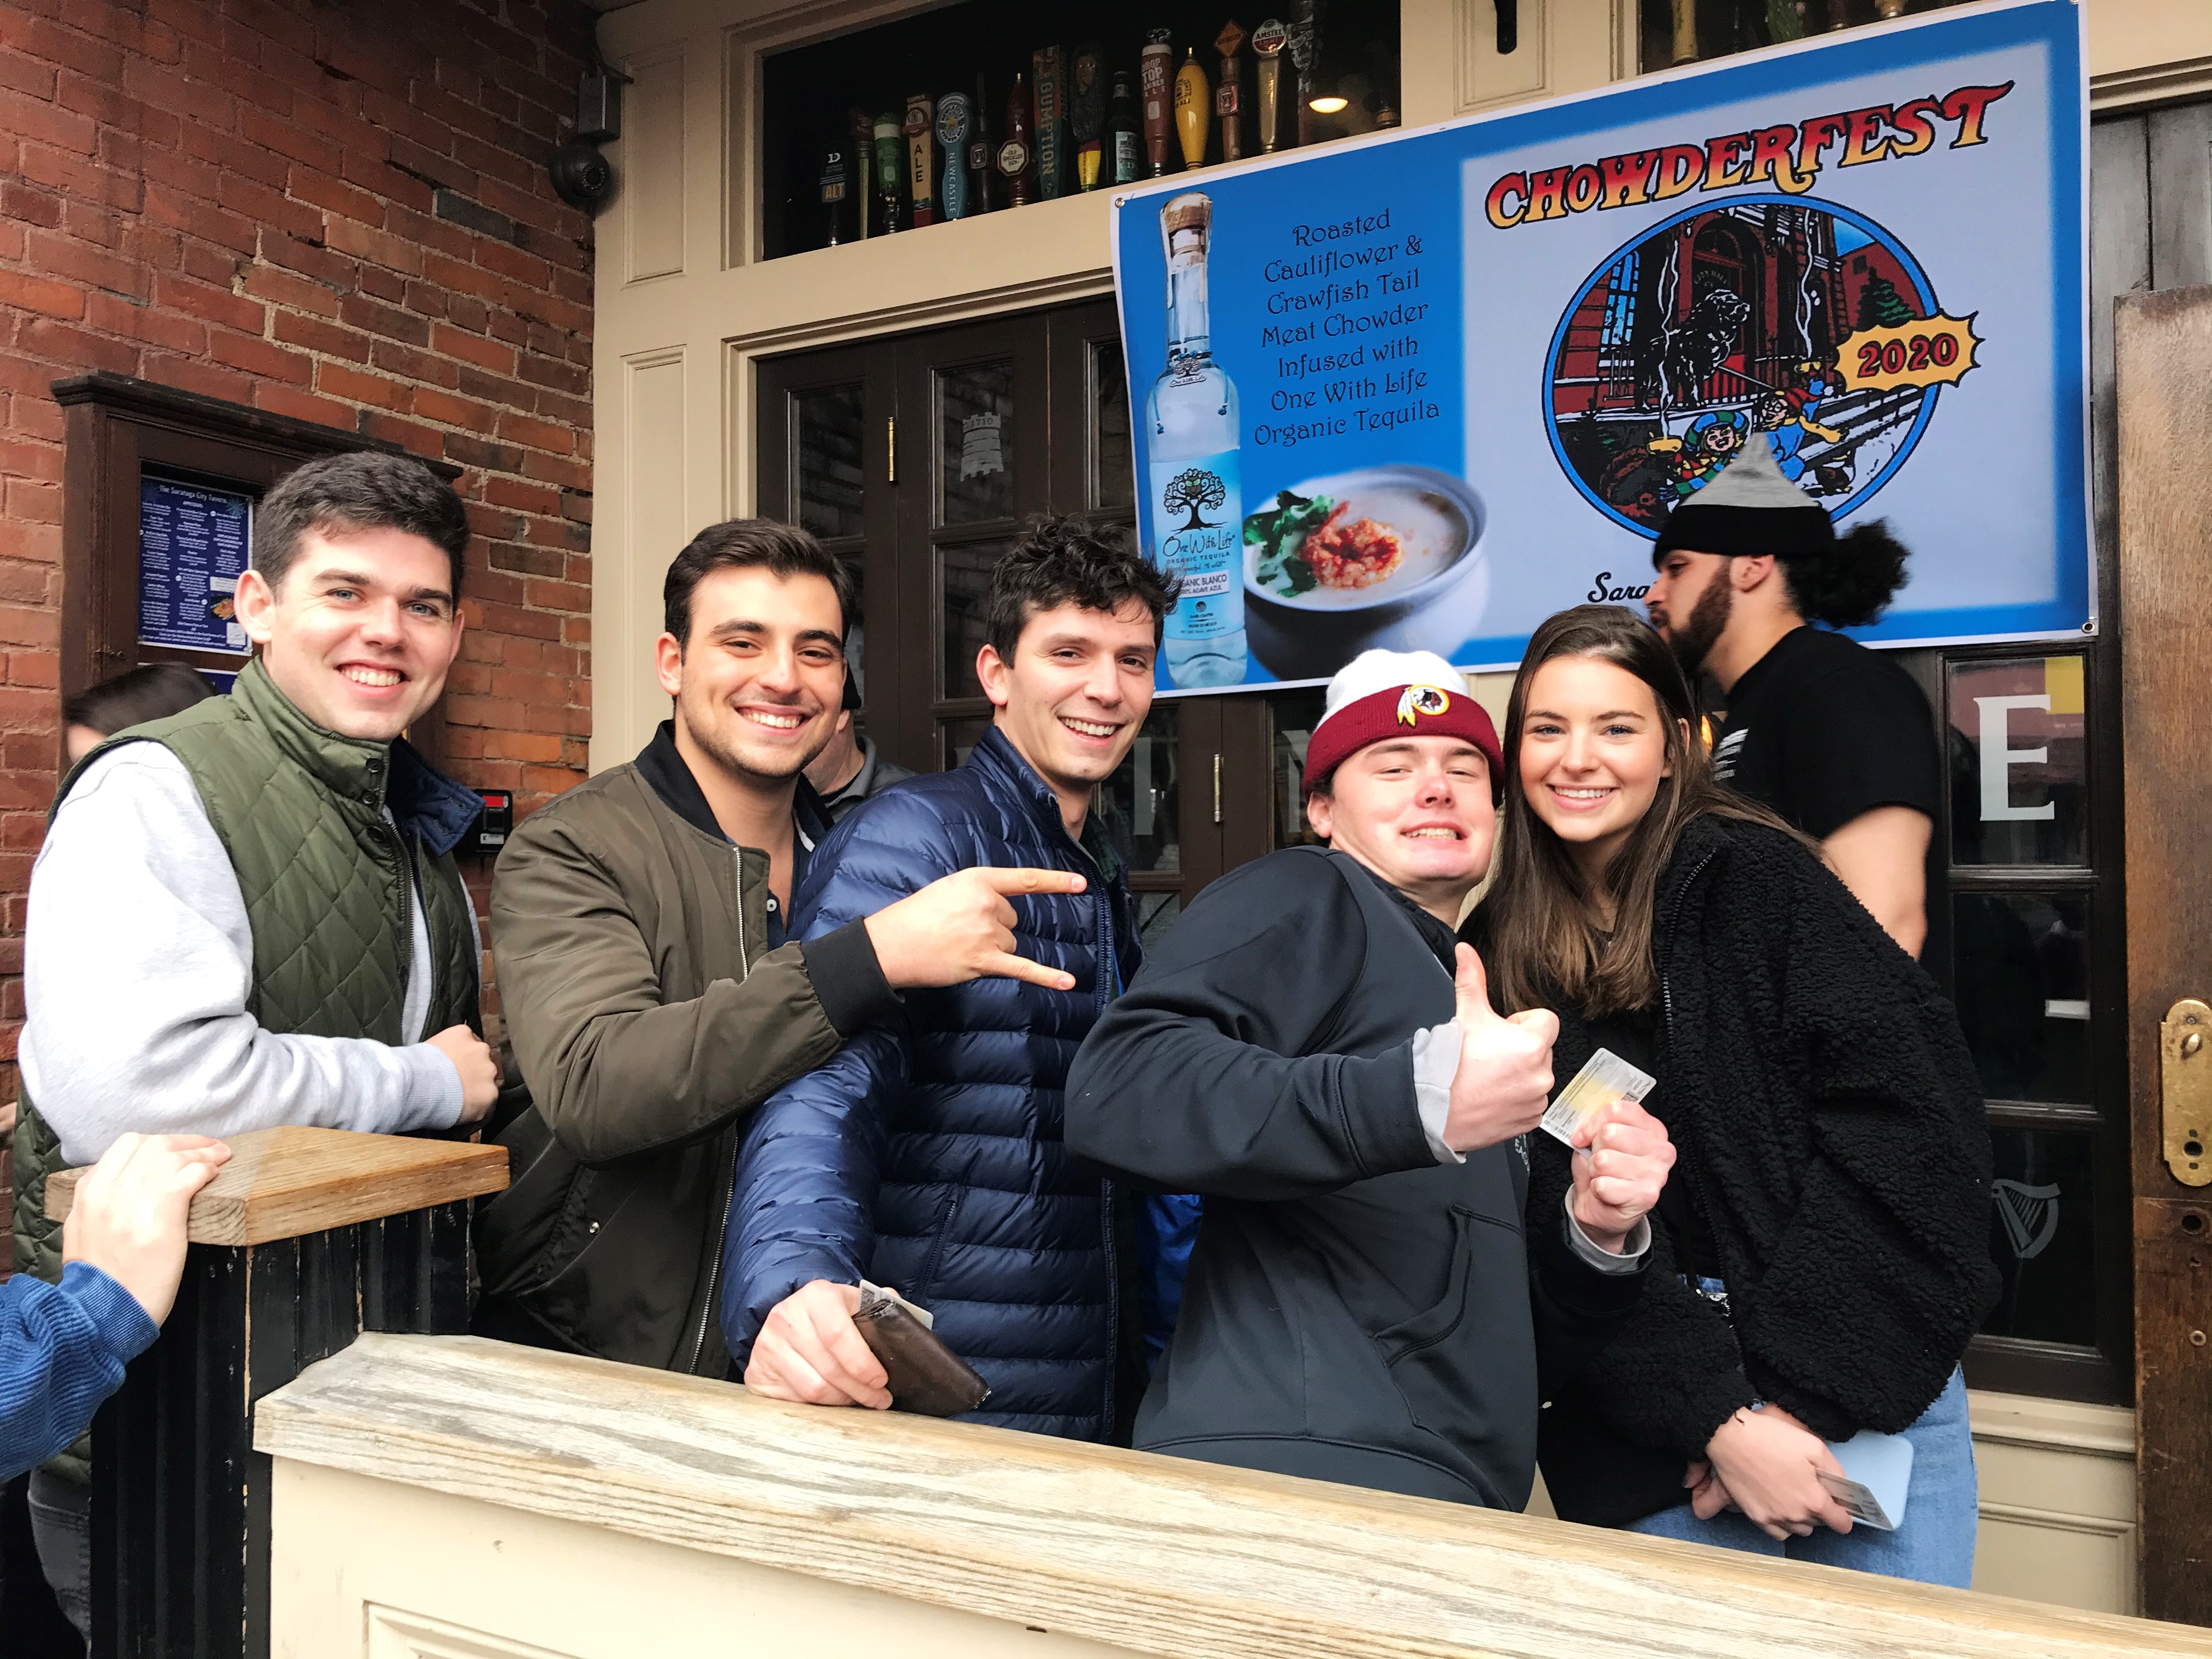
(924, 1375)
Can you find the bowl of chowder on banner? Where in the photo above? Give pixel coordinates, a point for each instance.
(1388, 556)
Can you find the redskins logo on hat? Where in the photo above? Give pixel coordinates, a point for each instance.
(1418, 700)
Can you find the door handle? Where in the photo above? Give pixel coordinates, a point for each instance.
(2184, 1078)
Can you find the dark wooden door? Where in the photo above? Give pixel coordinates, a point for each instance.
(2151, 331)
(2164, 361)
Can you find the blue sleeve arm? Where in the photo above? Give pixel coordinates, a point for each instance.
(803, 1206)
(63, 1348)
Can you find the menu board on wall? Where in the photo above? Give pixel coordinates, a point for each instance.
(193, 541)
(1424, 390)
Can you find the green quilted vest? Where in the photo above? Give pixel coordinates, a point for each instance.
(327, 882)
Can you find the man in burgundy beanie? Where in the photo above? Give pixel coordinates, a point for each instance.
(1367, 1302)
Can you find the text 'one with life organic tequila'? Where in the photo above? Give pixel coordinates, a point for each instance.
(1197, 505)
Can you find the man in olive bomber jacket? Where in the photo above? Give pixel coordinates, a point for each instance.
(651, 999)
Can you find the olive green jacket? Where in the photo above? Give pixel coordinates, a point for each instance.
(649, 1014)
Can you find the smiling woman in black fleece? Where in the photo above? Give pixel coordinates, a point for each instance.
(1820, 1255)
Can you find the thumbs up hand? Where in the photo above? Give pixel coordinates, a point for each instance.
(1505, 1077)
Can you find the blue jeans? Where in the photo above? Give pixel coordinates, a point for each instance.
(1935, 1545)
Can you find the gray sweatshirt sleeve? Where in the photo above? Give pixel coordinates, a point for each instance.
(137, 962)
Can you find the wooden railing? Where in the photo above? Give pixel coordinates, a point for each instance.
(306, 1238)
(448, 1495)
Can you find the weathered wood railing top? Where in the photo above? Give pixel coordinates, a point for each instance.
(1151, 1553)
(282, 1183)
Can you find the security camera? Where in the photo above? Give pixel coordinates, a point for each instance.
(581, 176)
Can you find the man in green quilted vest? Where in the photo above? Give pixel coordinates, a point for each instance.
(248, 914)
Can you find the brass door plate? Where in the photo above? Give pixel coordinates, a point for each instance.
(2184, 1071)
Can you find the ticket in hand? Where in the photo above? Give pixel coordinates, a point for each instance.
(1605, 1078)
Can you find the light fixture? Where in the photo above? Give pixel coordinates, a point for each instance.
(1328, 103)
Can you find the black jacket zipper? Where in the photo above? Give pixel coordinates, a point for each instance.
(729, 1178)
(1674, 916)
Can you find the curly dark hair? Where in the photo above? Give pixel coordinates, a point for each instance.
(1069, 560)
(1851, 583)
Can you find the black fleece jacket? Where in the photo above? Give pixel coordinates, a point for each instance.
(1831, 1129)
(1355, 1311)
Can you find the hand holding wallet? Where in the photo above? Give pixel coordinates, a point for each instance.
(922, 1374)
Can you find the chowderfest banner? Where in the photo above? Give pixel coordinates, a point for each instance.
(1423, 390)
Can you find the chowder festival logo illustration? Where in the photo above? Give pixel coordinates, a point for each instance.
(1798, 322)
(1773, 315)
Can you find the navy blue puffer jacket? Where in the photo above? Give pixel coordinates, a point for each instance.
(927, 1155)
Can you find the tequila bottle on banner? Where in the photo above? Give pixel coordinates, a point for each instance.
(1198, 507)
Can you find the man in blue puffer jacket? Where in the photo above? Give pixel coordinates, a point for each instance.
(927, 1155)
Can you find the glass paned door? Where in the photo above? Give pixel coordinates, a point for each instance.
(974, 464)
(824, 463)
(964, 579)
(1113, 454)
(2023, 976)
(2018, 740)
(2035, 975)
(832, 482)
(973, 445)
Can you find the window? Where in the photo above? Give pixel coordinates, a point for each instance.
(2036, 972)
(1672, 33)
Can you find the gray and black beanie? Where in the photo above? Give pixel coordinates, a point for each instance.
(1750, 509)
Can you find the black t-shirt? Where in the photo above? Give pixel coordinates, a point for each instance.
(1821, 730)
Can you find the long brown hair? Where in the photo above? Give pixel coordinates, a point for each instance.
(1544, 923)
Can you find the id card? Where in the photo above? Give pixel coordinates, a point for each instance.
(1859, 1501)
(1876, 1478)
(1605, 1078)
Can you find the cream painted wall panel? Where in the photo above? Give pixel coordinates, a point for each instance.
(2057, 1556)
(653, 167)
(395, 1635)
(369, 1567)
(1565, 47)
(649, 512)
(2147, 50)
(2059, 1501)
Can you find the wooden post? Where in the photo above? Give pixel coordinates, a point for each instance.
(306, 1238)
(2163, 355)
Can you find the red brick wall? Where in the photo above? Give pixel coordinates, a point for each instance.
(336, 212)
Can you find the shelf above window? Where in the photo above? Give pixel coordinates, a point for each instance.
(823, 105)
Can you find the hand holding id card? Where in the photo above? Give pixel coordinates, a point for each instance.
(1605, 1078)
